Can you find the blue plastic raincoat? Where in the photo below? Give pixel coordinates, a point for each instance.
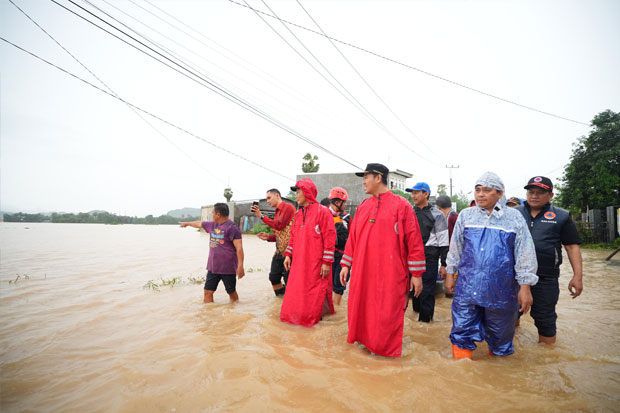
(493, 254)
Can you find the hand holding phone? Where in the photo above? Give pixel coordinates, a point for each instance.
(255, 209)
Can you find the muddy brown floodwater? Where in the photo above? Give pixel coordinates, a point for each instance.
(78, 332)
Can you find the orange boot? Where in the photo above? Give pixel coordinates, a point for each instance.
(460, 353)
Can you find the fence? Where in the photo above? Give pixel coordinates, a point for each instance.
(599, 225)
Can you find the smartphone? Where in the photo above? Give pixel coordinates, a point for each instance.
(255, 203)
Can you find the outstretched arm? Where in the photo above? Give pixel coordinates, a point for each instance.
(194, 224)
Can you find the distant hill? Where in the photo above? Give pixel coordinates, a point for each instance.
(96, 211)
(185, 212)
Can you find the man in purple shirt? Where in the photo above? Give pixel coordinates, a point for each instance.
(225, 252)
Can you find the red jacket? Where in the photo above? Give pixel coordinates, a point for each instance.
(312, 244)
(384, 246)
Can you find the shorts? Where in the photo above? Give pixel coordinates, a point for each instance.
(229, 280)
(545, 294)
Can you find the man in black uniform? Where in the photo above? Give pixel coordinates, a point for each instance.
(434, 229)
(551, 227)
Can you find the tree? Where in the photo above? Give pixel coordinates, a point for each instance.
(592, 177)
(462, 201)
(406, 195)
(228, 193)
(441, 189)
(310, 166)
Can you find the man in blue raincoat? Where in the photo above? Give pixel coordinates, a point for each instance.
(493, 252)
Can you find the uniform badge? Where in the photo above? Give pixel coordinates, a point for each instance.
(549, 215)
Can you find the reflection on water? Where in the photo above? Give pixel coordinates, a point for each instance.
(82, 334)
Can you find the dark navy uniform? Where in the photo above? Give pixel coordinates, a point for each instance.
(550, 229)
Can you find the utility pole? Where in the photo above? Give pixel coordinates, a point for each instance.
(451, 168)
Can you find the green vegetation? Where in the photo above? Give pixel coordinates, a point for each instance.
(156, 285)
(171, 282)
(20, 277)
(291, 195)
(406, 195)
(310, 166)
(21, 217)
(261, 228)
(462, 201)
(96, 218)
(592, 178)
(601, 246)
(228, 194)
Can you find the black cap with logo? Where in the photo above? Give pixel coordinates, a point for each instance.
(541, 182)
(374, 168)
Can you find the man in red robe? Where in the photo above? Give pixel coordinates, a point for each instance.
(313, 237)
(384, 247)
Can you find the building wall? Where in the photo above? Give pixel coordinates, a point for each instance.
(349, 181)
(352, 183)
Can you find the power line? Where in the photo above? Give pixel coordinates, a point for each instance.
(310, 64)
(415, 68)
(356, 103)
(366, 82)
(244, 63)
(196, 77)
(360, 106)
(237, 99)
(114, 93)
(145, 111)
(187, 62)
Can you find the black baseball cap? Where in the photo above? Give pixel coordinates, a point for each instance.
(374, 168)
(541, 182)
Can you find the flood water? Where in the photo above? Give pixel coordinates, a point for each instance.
(78, 332)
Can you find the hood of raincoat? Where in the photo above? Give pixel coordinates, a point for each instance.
(491, 180)
(308, 188)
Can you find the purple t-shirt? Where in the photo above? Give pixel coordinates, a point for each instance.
(222, 251)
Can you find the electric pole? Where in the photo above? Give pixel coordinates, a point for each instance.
(451, 168)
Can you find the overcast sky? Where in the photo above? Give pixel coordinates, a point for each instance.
(66, 146)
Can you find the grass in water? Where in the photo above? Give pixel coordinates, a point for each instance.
(19, 277)
(155, 285)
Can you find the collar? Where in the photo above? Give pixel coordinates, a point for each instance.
(544, 209)
(498, 210)
(379, 196)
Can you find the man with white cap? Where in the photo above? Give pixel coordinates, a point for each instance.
(493, 252)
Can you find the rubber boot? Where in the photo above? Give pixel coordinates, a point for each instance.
(460, 353)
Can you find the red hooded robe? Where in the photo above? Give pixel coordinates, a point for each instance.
(384, 246)
(312, 243)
